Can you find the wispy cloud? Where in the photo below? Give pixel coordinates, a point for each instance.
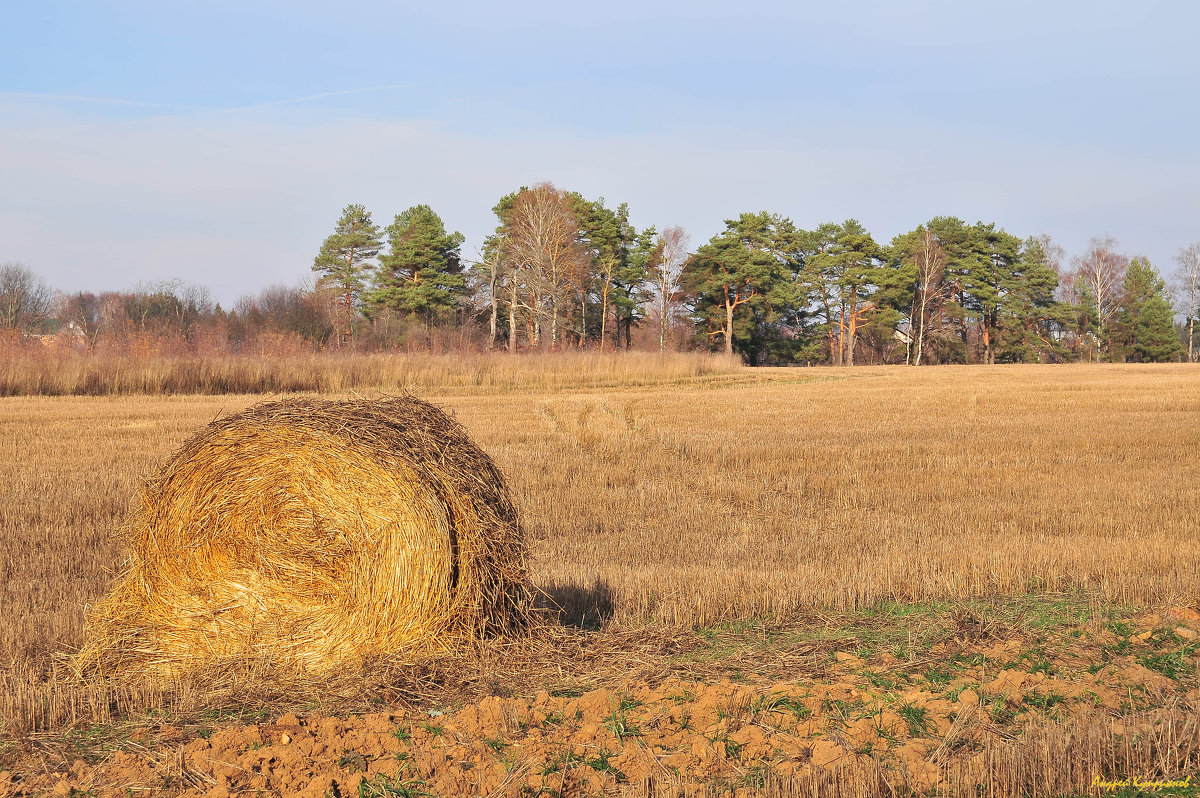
(322, 96)
(60, 99)
(51, 97)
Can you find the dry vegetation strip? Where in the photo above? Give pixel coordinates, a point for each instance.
(51, 371)
(697, 499)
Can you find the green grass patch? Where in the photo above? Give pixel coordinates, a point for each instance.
(917, 719)
(602, 763)
(497, 744)
(619, 724)
(1043, 702)
(1172, 664)
(782, 704)
(393, 787)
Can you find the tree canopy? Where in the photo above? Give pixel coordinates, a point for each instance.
(422, 272)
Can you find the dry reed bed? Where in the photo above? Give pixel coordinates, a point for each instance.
(691, 505)
(53, 372)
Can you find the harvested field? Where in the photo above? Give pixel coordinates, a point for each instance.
(751, 500)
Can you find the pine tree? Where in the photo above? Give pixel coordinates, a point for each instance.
(422, 272)
(848, 269)
(343, 262)
(746, 265)
(1144, 331)
(956, 240)
(1026, 305)
(1154, 332)
(617, 266)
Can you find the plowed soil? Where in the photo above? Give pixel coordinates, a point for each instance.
(912, 723)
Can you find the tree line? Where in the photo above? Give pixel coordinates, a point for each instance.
(562, 271)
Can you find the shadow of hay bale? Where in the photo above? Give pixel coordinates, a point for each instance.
(584, 607)
(315, 534)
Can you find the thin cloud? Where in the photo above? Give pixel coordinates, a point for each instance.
(81, 98)
(28, 96)
(312, 97)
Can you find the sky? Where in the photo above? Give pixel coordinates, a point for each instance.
(217, 142)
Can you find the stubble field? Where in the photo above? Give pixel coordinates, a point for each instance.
(751, 526)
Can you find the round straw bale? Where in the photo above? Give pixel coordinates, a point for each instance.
(316, 534)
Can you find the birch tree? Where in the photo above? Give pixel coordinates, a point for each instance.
(542, 245)
(666, 273)
(1187, 278)
(1102, 271)
(923, 251)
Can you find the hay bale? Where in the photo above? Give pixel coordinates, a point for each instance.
(316, 534)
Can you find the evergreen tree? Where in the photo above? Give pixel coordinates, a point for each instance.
(988, 275)
(422, 272)
(746, 267)
(617, 270)
(343, 262)
(994, 284)
(1030, 313)
(1144, 331)
(855, 285)
(954, 237)
(1025, 304)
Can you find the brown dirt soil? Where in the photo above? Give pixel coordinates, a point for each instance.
(930, 722)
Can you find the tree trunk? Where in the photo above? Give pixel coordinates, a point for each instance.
(512, 317)
(728, 326)
(851, 339)
(841, 358)
(603, 314)
(920, 336)
(829, 328)
(662, 332)
(582, 318)
(664, 309)
(493, 321)
(1191, 338)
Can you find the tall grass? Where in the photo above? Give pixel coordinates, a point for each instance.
(32, 372)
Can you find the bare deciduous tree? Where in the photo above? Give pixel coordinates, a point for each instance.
(1102, 270)
(84, 311)
(1053, 253)
(491, 271)
(1187, 279)
(25, 301)
(666, 272)
(930, 261)
(545, 256)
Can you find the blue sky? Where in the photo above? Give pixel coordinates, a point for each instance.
(217, 141)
